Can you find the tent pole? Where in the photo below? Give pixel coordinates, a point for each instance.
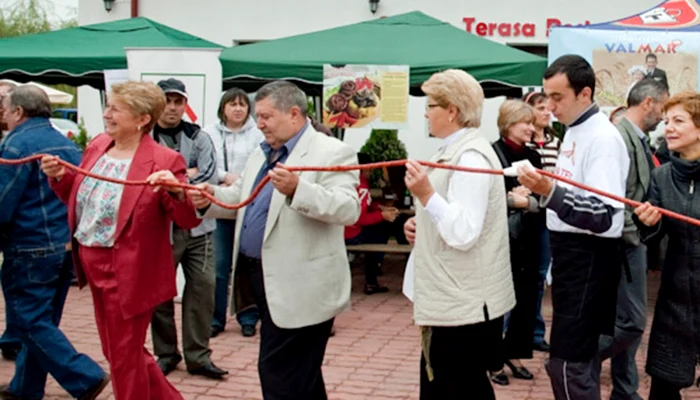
(319, 108)
(339, 133)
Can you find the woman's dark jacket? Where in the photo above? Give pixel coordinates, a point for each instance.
(524, 226)
(675, 331)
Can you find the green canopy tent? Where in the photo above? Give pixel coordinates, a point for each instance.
(78, 56)
(424, 43)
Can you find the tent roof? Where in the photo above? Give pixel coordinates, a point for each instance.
(79, 55)
(669, 15)
(55, 96)
(424, 43)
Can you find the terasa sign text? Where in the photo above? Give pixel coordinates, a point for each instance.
(510, 29)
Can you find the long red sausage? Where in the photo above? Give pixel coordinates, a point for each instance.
(395, 163)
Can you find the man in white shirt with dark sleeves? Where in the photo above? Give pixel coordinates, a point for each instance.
(585, 228)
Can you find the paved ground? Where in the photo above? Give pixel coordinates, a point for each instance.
(374, 354)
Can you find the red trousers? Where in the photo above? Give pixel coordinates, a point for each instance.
(135, 374)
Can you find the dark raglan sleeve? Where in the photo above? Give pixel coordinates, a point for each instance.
(584, 212)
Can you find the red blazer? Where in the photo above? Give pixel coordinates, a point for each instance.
(142, 253)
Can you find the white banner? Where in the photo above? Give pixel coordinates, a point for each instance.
(198, 69)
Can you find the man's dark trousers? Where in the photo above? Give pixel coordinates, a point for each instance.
(290, 360)
(629, 327)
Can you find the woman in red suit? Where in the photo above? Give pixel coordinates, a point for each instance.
(122, 233)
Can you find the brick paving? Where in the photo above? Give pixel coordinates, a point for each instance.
(374, 354)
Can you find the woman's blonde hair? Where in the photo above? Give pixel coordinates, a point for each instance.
(690, 102)
(458, 88)
(512, 112)
(143, 98)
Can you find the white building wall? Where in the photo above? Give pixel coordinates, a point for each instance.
(224, 21)
(231, 21)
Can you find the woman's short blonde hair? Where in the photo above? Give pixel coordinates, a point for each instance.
(458, 88)
(690, 102)
(143, 98)
(513, 112)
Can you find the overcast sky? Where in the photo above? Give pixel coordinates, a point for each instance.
(63, 9)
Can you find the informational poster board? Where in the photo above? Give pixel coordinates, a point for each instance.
(660, 43)
(355, 96)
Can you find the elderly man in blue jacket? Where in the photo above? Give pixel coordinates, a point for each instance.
(35, 280)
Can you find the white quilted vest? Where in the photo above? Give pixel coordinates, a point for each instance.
(454, 287)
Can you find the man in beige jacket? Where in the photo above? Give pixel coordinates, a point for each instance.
(296, 226)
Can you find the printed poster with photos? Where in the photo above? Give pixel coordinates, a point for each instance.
(620, 59)
(356, 96)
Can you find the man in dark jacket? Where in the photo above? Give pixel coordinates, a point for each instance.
(193, 249)
(655, 73)
(35, 280)
(9, 345)
(644, 112)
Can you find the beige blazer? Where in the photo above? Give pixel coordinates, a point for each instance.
(305, 264)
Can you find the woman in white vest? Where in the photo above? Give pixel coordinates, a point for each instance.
(460, 266)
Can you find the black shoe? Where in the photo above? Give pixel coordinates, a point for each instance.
(542, 346)
(372, 289)
(248, 330)
(210, 371)
(9, 352)
(215, 330)
(168, 364)
(499, 378)
(95, 391)
(519, 372)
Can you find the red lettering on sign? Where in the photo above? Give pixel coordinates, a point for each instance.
(468, 22)
(508, 29)
(504, 29)
(492, 27)
(672, 46)
(645, 48)
(552, 22)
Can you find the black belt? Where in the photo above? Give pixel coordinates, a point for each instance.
(250, 262)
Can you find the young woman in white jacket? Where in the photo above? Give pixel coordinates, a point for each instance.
(235, 136)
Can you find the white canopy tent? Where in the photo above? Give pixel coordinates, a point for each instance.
(55, 96)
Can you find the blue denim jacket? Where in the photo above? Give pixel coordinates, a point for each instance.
(30, 213)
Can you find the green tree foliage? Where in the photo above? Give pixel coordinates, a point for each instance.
(383, 145)
(81, 138)
(26, 17)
